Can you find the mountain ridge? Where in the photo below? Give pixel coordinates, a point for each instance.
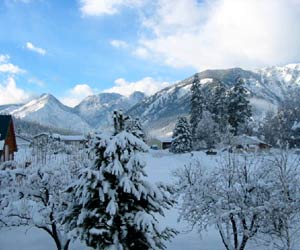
(267, 87)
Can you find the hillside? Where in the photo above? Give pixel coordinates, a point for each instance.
(266, 88)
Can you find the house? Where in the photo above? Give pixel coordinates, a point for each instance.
(8, 143)
(78, 141)
(160, 142)
(249, 143)
(41, 140)
(22, 141)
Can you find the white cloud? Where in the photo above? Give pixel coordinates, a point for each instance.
(36, 81)
(4, 58)
(11, 94)
(7, 67)
(118, 44)
(36, 49)
(147, 85)
(10, 68)
(141, 52)
(223, 33)
(77, 94)
(105, 7)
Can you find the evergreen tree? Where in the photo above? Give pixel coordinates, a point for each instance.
(182, 139)
(119, 120)
(134, 126)
(197, 106)
(239, 109)
(283, 127)
(218, 105)
(113, 206)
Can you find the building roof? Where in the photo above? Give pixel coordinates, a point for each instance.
(163, 139)
(72, 138)
(21, 140)
(4, 125)
(247, 140)
(62, 137)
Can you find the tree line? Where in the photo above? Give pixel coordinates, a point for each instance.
(216, 114)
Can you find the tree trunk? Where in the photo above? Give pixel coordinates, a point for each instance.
(66, 246)
(234, 231)
(244, 242)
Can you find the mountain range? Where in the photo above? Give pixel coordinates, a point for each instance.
(266, 87)
(94, 112)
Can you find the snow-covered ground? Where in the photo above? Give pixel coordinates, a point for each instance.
(160, 168)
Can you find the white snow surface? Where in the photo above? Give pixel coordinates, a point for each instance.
(48, 111)
(160, 166)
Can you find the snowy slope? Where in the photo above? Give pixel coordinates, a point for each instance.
(48, 111)
(6, 109)
(96, 110)
(266, 86)
(159, 168)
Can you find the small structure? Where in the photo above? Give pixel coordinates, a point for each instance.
(160, 142)
(78, 141)
(8, 143)
(211, 152)
(249, 143)
(22, 141)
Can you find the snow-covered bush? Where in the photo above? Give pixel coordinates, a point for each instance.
(112, 206)
(208, 132)
(32, 195)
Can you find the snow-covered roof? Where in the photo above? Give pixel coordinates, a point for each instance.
(22, 140)
(2, 144)
(63, 137)
(41, 134)
(72, 137)
(247, 140)
(163, 139)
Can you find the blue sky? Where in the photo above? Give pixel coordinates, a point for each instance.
(73, 48)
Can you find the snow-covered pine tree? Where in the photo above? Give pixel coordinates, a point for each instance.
(218, 105)
(113, 206)
(134, 126)
(182, 138)
(239, 109)
(119, 120)
(197, 106)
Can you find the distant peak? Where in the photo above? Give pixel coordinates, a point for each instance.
(46, 95)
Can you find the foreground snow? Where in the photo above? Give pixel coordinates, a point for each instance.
(160, 165)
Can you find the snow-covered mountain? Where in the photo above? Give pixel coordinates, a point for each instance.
(6, 109)
(267, 87)
(93, 112)
(48, 111)
(96, 110)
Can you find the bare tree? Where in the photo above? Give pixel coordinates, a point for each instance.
(282, 221)
(231, 197)
(32, 196)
